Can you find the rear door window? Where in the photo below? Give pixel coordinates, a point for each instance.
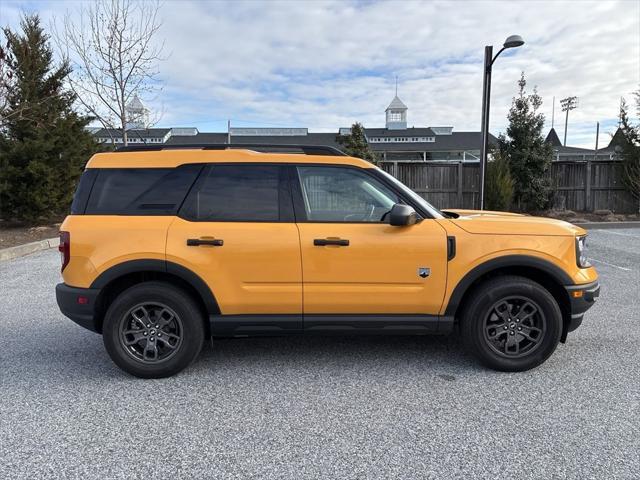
(239, 193)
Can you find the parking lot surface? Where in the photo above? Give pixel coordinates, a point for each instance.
(334, 407)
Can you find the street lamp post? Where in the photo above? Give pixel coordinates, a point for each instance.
(511, 42)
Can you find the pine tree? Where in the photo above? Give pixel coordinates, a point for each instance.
(528, 155)
(43, 142)
(356, 144)
(630, 148)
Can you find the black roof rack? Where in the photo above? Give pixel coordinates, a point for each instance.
(266, 147)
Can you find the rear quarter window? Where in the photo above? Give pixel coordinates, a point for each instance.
(140, 191)
(81, 196)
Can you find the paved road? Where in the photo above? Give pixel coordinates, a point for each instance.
(336, 408)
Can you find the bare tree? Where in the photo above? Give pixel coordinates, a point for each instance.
(114, 55)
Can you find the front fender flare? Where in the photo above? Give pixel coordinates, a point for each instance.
(522, 261)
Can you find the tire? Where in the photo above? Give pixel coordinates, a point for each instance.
(511, 324)
(131, 335)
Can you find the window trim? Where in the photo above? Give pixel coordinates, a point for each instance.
(298, 199)
(285, 202)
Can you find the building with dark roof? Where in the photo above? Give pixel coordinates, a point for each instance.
(134, 135)
(565, 153)
(393, 142)
(553, 139)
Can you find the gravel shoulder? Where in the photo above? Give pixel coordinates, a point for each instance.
(322, 407)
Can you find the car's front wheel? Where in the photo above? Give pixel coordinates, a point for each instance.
(511, 323)
(153, 330)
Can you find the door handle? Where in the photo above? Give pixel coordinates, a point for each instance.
(196, 242)
(321, 242)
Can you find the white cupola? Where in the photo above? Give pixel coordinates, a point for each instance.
(396, 114)
(137, 114)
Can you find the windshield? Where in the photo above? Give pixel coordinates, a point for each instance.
(433, 211)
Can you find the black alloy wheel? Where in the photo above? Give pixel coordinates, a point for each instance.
(514, 326)
(151, 332)
(511, 323)
(154, 329)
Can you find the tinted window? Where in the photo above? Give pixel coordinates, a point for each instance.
(141, 191)
(82, 192)
(334, 194)
(240, 193)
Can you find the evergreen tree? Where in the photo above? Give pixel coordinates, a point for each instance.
(629, 148)
(356, 144)
(43, 142)
(528, 155)
(499, 189)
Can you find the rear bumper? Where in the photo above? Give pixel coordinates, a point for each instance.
(83, 314)
(581, 299)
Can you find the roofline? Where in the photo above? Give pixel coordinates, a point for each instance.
(171, 158)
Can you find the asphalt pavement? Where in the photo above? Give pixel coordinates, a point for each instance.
(321, 407)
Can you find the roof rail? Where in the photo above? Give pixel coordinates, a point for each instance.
(286, 148)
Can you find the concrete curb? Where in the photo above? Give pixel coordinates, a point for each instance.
(28, 248)
(607, 225)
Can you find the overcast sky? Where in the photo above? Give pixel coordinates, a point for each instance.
(324, 65)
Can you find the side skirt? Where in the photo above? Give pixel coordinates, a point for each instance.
(265, 325)
(254, 325)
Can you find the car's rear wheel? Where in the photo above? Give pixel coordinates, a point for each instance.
(511, 323)
(153, 330)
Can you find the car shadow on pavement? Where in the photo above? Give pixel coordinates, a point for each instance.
(70, 351)
(355, 351)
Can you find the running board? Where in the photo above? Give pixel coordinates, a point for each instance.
(337, 324)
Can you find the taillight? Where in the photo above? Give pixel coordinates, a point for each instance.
(65, 249)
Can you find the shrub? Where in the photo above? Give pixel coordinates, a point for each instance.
(499, 184)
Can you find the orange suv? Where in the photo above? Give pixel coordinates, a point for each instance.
(166, 246)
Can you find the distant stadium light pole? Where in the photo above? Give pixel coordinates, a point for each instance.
(511, 42)
(568, 104)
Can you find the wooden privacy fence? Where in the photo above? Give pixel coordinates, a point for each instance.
(578, 185)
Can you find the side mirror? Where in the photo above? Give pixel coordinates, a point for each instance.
(402, 216)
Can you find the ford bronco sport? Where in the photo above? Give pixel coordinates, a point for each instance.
(165, 247)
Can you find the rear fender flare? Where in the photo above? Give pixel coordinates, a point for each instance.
(148, 265)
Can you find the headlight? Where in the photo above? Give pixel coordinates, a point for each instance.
(581, 252)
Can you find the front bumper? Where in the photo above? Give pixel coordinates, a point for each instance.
(581, 299)
(79, 304)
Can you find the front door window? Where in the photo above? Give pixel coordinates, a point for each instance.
(334, 194)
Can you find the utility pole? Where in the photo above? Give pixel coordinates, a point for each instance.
(620, 110)
(568, 104)
(229, 132)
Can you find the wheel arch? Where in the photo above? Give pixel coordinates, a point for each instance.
(118, 278)
(550, 276)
